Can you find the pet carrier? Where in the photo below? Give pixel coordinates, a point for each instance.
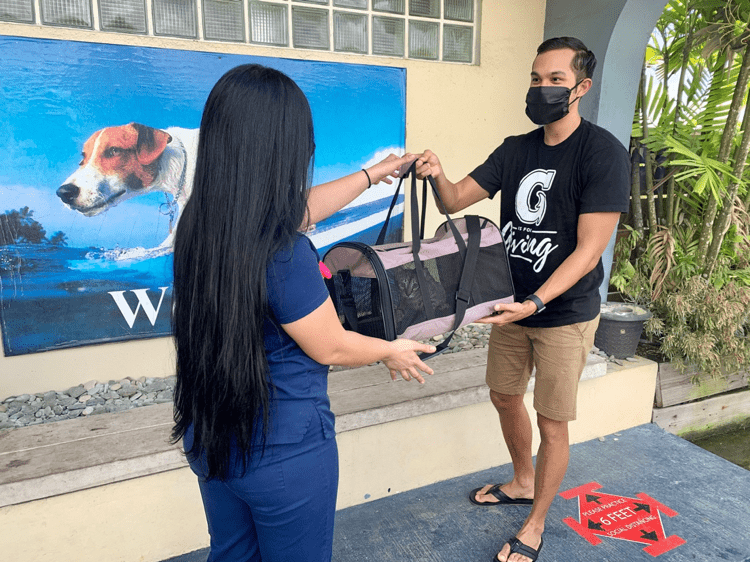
(422, 288)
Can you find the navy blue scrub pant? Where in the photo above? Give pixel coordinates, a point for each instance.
(280, 511)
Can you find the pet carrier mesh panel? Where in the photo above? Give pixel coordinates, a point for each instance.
(420, 289)
(377, 291)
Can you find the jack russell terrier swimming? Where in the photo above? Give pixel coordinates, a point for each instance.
(123, 162)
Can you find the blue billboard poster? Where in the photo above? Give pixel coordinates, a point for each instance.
(85, 251)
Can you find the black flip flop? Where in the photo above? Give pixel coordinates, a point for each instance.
(518, 547)
(502, 497)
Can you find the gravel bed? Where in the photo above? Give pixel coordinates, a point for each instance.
(97, 397)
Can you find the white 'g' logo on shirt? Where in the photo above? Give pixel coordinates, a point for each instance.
(534, 184)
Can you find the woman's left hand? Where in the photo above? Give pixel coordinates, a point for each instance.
(389, 167)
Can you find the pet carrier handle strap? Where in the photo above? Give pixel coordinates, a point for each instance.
(381, 236)
(412, 170)
(416, 245)
(457, 235)
(463, 293)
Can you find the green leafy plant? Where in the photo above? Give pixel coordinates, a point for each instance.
(685, 252)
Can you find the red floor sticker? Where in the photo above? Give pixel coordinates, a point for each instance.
(631, 519)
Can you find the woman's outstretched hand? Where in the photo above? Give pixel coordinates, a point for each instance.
(405, 361)
(389, 167)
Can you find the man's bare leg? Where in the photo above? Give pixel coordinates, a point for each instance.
(516, 426)
(551, 465)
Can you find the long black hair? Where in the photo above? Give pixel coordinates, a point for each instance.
(249, 198)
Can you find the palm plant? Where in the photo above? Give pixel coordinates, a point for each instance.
(688, 240)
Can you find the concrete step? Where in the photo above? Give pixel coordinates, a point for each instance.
(86, 488)
(698, 500)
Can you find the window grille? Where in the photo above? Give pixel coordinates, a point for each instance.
(392, 6)
(457, 45)
(423, 39)
(434, 30)
(388, 36)
(67, 13)
(268, 24)
(223, 20)
(17, 10)
(361, 4)
(175, 17)
(125, 16)
(460, 10)
(350, 32)
(310, 28)
(424, 8)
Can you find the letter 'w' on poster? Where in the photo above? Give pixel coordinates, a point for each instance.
(144, 302)
(620, 517)
(87, 228)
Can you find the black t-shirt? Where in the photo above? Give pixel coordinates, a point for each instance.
(544, 190)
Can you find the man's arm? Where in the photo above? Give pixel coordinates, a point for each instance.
(455, 196)
(594, 232)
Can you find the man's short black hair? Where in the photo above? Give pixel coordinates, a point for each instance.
(584, 61)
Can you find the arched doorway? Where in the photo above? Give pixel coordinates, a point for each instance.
(617, 31)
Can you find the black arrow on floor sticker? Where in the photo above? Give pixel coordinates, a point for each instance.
(642, 507)
(650, 536)
(597, 526)
(595, 499)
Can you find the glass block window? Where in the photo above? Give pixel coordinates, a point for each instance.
(223, 20)
(349, 32)
(17, 10)
(124, 16)
(388, 36)
(392, 6)
(362, 4)
(310, 28)
(461, 10)
(435, 30)
(423, 39)
(68, 13)
(457, 43)
(268, 24)
(424, 8)
(175, 17)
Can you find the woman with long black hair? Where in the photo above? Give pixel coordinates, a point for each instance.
(255, 329)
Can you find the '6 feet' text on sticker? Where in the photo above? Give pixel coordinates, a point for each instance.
(631, 519)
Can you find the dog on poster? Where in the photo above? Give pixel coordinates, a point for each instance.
(125, 161)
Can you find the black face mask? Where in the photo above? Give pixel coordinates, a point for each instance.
(547, 104)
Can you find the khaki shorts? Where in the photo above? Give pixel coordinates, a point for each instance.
(559, 355)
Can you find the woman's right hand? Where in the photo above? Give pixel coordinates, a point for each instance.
(389, 168)
(405, 361)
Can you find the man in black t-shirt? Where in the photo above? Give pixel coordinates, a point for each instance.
(563, 188)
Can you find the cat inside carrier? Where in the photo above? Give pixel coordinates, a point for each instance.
(422, 288)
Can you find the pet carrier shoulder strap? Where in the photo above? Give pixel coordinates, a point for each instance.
(463, 293)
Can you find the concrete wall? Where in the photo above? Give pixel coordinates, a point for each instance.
(461, 112)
